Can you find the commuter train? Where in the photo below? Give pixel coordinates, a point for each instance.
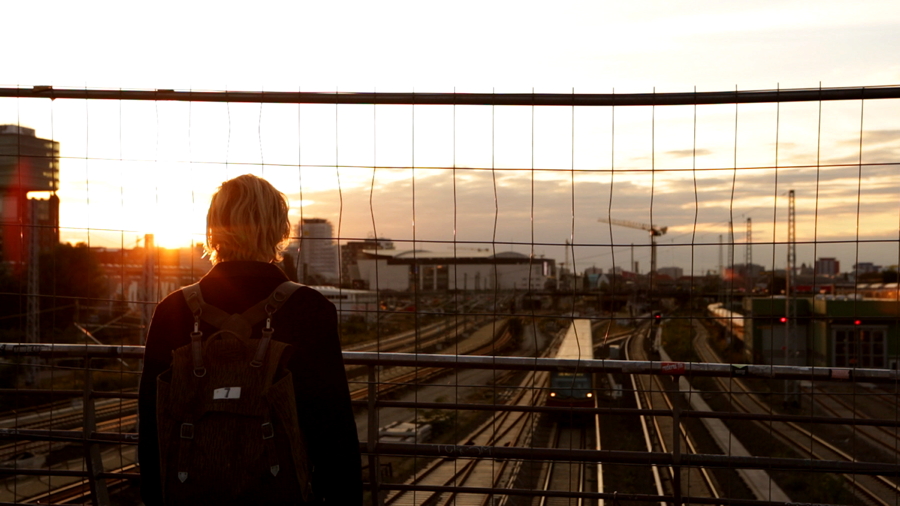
(570, 386)
(732, 322)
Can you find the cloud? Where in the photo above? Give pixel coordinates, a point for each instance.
(874, 137)
(688, 153)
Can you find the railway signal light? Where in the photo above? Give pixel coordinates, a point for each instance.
(857, 322)
(657, 317)
(783, 319)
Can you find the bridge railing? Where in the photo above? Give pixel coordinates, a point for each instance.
(96, 475)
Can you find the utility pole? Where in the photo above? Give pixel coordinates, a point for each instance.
(32, 322)
(633, 267)
(748, 257)
(148, 294)
(721, 270)
(729, 255)
(729, 264)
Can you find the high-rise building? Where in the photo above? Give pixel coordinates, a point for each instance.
(317, 260)
(672, 272)
(866, 268)
(27, 164)
(828, 266)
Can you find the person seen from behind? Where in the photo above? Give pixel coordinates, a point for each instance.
(218, 421)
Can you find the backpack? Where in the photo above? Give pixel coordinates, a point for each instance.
(227, 415)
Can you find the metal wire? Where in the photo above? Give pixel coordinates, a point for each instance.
(560, 200)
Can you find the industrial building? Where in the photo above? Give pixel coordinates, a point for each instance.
(828, 331)
(350, 254)
(464, 270)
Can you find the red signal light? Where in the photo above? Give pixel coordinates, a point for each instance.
(857, 322)
(783, 319)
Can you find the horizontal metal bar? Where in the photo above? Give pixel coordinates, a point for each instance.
(69, 436)
(639, 458)
(615, 496)
(30, 504)
(582, 411)
(573, 455)
(70, 350)
(689, 369)
(515, 99)
(622, 366)
(62, 392)
(43, 472)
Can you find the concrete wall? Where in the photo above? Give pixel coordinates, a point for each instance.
(381, 276)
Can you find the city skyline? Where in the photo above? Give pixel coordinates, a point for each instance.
(129, 168)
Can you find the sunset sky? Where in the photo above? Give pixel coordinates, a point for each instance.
(135, 167)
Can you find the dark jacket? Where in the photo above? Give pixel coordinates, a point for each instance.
(308, 321)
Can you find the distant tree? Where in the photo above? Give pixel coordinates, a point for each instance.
(12, 302)
(889, 276)
(69, 275)
(871, 277)
(776, 284)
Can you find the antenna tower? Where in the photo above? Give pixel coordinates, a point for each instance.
(792, 387)
(790, 308)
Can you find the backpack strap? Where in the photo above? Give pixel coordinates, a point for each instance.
(240, 325)
(195, 302)
(211, 314)
(268, 435)
(265, 309)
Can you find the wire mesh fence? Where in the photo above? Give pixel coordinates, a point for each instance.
(758, 230)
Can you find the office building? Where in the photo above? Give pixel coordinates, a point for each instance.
(317, 259)
(828, 267)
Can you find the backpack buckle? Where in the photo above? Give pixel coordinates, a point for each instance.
(187, 431)
(268, 431)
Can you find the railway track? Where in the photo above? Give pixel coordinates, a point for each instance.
(835, 404)
(874, 490)
(652, 394)
(503, 428)
(570, 476)
(79, 491)
(401, 377)
(113, 415)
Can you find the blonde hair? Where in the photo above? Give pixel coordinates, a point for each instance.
(247, 220)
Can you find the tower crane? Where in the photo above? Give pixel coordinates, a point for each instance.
(655, 231)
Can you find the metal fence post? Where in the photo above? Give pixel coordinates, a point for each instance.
(676, 446)
(92, 457)
(372, 437)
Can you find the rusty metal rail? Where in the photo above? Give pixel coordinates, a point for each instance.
(522, 99)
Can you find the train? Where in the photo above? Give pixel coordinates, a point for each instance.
(732, 322)
(571, 387)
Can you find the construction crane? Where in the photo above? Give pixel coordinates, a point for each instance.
(655, 231)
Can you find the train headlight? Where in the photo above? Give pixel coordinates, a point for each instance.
(589, 395)
(552, 394)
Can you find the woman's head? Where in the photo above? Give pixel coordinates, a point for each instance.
(247, 220)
